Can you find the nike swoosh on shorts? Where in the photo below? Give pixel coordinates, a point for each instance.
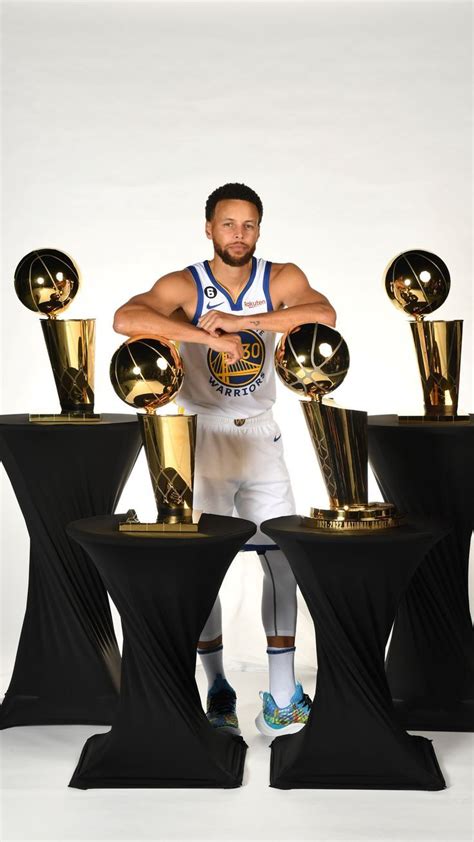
(275, 438)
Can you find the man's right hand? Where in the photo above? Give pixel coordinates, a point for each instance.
(228, 343)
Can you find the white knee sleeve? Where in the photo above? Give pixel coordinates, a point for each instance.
(279, 595)
(213, 627)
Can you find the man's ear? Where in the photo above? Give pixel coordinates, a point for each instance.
(208, 230)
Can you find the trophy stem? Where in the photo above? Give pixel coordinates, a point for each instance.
(71, 350)
(170, 442)
(438, 350)
(339, 437)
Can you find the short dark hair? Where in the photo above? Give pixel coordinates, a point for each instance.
(233, 191)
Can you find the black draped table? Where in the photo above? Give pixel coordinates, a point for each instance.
(428, 469)
(67, 667)
(352, 584)
(164, 587)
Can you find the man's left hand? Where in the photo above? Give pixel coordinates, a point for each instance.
(215, 322)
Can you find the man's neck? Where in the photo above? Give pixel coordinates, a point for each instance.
(233, 278)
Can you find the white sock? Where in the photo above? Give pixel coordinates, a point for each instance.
(282, 674)
(211, 659)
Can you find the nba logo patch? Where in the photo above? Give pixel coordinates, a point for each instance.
(245, 371)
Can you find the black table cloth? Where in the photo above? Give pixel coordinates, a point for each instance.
(428, 469)
(164, 588)
(67, 667)
(352, 584)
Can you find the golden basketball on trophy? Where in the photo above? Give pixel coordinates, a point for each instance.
(47, 281)
(146, 373)
(312, 360)
(418, 282)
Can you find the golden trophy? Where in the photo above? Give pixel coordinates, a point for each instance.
(418, 282)
(46, 281)
(312, 360)
(147, 373)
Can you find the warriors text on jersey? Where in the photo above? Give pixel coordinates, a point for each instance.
(212, 386)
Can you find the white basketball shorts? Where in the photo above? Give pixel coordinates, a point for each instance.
(240, 470)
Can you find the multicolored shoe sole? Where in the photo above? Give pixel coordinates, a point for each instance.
(273, 721)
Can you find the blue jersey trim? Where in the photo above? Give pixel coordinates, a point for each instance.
(197, 314)
(266, 285)
(234, 305)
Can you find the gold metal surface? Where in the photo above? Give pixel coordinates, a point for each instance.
(65, 418)
(133, 525)
(71, 349)
(417, 282)
(170, 442)
(312, 360)
(46, 281)
(147, 372)
(438, 350)
(367, 517)
(158, 528)
(339, 437)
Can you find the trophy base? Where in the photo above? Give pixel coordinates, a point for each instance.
(435, 418)
(65, 418)
(367, 517)
(159, 527)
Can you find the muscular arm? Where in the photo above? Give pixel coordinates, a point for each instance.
(164, 311)
(159, 311)
(291, 291)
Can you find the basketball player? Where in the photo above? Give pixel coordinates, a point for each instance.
(225, 312)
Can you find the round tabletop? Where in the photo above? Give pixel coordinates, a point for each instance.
(293, 525)
(212, 529)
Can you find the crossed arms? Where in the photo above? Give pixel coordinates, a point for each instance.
(168, 308)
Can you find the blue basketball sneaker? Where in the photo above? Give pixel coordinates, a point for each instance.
(273, 721)
(221, 703)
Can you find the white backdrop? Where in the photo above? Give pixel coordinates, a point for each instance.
(351, 120)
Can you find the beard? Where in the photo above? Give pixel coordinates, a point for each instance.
(231, 260)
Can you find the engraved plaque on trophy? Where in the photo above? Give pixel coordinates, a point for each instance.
(312, 360)
(46, 281)
(147, 373)
(418, 282)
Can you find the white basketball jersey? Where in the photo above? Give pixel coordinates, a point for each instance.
(211, 385)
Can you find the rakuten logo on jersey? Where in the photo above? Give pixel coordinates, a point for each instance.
(251, 304)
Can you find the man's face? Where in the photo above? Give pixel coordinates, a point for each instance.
(234, 231)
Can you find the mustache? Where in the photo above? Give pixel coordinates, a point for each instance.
(227, 257)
